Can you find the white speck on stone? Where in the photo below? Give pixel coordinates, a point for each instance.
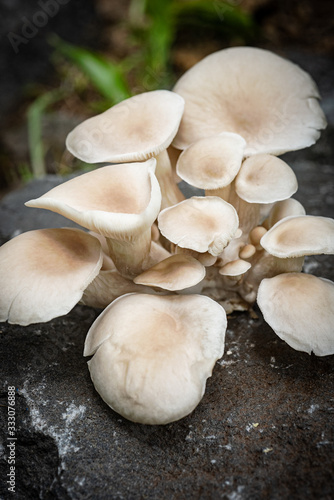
(73, 412)
(236, 495)
(210, 437)
(324, 443)
(62, 434)
(213, 461)
(189, 436)
(312, 409)
(80, 480)
(227, 447)
(227, 363)
(249, 427)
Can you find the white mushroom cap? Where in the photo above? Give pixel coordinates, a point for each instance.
(153, 354)
(284, 208)
(235, 268)
(301, 235)
(212, 162)
(177, 272)
(133, 130)
(265, 178)
(252, 92)
(116, 200)
(203, 224)
(300, 309)
(44, 273)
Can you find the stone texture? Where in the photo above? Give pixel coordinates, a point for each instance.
(264, 429)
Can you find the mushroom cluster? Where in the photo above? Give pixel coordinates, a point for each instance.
(165, 269)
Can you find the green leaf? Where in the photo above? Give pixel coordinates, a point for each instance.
(219, 15)
(34, 116)
(103, 73)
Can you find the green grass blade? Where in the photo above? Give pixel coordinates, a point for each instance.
(104, 74)
(34, 117)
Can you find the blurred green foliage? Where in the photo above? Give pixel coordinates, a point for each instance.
(153, 27)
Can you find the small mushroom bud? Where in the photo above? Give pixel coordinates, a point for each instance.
(247, 251)
(256, 234)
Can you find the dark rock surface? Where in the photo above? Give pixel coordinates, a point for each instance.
(264, 429)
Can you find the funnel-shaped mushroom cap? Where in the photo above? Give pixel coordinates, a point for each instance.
(177, 272)
(203, 224)
(153, 354)
(265, 179)
(44, 273)
(300, 309)
(133, 130)
(266, 99)
(301, 235)
(213, 162)
(116, 201)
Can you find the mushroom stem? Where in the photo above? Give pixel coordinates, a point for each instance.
(264, 266)
(171, 194)
(129, 255)
(250, 214)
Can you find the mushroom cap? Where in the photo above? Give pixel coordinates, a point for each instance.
(284, 208)
(235, 268)
(252, 92)
(177, 272)
(212, 162)
(296, 236)
(44, 273)
(153, 354)
(203, 224)
(133, 130)
(300, 309)
(265, 178)
(115, 201)
(247, 251)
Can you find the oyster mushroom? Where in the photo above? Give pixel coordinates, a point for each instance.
(297, 236)
(118, 202)
(300, 309)
(177, 272)
(44, 273)
(152, 355)
(265, 178)
(133, 130)
(202, 224)
(235, 268)
(269, 101)
(212, 162)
